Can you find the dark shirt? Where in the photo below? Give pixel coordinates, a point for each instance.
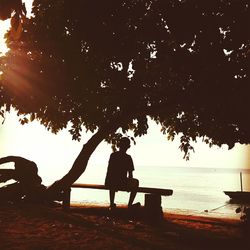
(119, 165)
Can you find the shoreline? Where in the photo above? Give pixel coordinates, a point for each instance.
(94, 227)
(180, 211)
(203, 214)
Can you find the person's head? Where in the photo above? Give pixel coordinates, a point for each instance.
(124, 143)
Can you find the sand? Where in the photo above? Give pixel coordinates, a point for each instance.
(26, 226)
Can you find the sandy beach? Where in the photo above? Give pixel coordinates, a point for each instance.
(94, 227)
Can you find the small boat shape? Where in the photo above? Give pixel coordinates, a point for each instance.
(238, 196)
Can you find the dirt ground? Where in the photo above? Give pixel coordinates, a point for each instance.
(26, 226)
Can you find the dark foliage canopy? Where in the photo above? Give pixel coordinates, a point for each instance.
(13, 9)
(183, 63)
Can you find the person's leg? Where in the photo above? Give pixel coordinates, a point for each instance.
(133, 192)
(112, 198)
(131, 198)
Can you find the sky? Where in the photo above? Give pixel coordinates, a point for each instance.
(3, 27)
(56, 153)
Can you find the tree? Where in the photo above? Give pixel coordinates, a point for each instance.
(105, 65)
(7, 7)
(13, 9)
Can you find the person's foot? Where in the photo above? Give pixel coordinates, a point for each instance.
(112, 206)
(135, 205)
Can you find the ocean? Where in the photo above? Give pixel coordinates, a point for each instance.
(196, 191)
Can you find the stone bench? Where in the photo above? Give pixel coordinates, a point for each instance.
(152, 195)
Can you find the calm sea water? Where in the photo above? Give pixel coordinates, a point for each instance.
(196, 191)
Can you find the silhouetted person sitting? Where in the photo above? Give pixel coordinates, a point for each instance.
(120, 173)
(28, 182)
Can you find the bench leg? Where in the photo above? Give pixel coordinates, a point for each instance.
(66, 199)
(153, 207)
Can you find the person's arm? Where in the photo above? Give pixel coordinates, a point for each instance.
(109, 173)
(130, 174)
(130, 168)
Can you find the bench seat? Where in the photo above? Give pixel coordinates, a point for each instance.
(146, 190)
(149, 190)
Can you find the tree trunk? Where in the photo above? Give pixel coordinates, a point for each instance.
(80, 163)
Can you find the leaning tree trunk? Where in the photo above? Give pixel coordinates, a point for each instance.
(80, 163)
